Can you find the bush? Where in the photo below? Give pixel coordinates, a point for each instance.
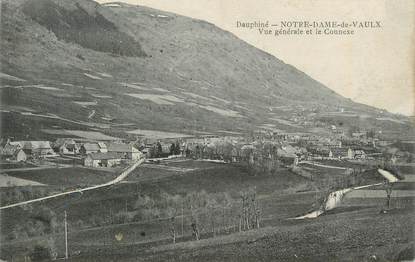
(43, 252)
(46, 216)
(97, 221)
(79, 56)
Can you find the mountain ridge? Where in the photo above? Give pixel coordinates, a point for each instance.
(193, 75)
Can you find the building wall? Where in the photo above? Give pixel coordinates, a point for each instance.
(43, 151)
(21, 156)
(350, 154)
(90, 162)
(91, 151)
(65, 151)
(113, 162)
(101, 163)
(136, 155)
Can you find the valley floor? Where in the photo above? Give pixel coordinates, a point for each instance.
(111, 225)
(357, 235)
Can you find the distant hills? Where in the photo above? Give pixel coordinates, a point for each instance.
(120, 65)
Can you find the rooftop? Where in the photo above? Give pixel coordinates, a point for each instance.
(104, 156)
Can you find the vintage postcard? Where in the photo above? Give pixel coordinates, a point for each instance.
(207, 130)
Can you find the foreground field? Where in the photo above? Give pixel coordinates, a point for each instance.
(121, 207)
(133, 220)
(360, 235)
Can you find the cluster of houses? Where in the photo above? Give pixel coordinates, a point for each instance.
(101, 155)
(109, 154)
(21, 150)
(95, 154)
(288, 148)
(237, 149)
(336, 145)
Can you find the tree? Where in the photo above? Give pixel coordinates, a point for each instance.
(388, 189)
(250, 212)
(353, 129)
(409, 158)
(172, 149)
(177, 148)
(211, 206)
(243, 222)
(187, 152)
(159, 150)
(41, 253)
(194, 224)
(371, 133)
(173, 229)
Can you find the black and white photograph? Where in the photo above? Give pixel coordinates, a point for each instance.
(207, 130)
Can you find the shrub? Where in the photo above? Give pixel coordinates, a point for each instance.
(79, 56)
(42, 253)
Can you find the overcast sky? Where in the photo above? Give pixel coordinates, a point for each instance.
(374, 67)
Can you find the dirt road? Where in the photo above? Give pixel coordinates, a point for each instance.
(118, 179)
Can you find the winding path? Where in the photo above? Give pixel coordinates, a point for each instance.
(118, 179)
(321, 165)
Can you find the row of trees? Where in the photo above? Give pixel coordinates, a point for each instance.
(158, 151)
(250, 214)
(262, 158)
(215, 216)
(194, 213)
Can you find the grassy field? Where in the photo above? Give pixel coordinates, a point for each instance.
(94, 219)
(354, 236)
(398, 186)
(148, 233)
(7, 181)
(104, 204)
(9, 165)
(66, 176)
(406, 169)
(336, 179)
(339, 163)
(357, 235)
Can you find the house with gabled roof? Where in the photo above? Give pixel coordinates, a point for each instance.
(359, 154)
(88, 148)
(288, 154)
(102, 147)
(13, 152)
(66, 146)
(127, 151)
(99, 159)
(341, 153)
(39, 148)
(69, 149)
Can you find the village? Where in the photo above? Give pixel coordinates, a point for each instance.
(263, 147)
(209, 186)
(197, 131)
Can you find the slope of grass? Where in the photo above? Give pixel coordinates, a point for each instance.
(75, 24)
(66, 177)
(207, 62)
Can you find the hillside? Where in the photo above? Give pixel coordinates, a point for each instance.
(76, 25)
(104, 66)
